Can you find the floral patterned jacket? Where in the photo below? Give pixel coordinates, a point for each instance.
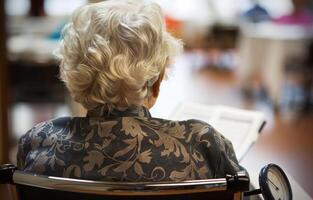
(126, 145)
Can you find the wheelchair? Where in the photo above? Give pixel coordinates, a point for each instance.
(41, 187)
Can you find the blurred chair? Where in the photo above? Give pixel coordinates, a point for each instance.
(265, 48)
(32, 186)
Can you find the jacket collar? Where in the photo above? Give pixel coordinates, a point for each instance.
(114, 111)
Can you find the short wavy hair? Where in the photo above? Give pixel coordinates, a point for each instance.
(112, 52)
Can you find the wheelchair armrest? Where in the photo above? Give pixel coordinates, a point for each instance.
(238, 182)
(6, 173)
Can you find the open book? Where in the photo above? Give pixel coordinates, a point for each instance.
(240, 126)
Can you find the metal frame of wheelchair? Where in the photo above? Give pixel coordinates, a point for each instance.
(32, 186)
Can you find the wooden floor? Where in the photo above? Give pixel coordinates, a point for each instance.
(288, 143)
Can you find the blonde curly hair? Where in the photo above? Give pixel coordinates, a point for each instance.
(113, 51)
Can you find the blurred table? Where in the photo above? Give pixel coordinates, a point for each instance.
(265, 48)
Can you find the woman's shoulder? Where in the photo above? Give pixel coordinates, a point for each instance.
(199, 130)
(189, 128)
(48, 126)
(194, 124)
(56, 122)
(199, 126)
(42, 134)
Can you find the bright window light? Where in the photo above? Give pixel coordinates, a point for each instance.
(17, 7)
(62, 7)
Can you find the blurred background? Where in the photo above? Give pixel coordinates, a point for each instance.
(250, 54)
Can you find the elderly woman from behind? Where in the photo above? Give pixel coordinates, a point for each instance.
(113, 57)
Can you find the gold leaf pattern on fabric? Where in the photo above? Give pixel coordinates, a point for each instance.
(145, 157)
(172, 145)
(106, 142)
(50, 140)
(126, 145)
(196, 127)
(94, 158)
(138, 169)
(125, 150)
(203, 172)
(60, 162)
(52, 162)
(130, 141)
(60, 148)
(105, 169)
(71, 133)
(89, 136)
(131, 127)
(36, 142)
(177, 131)
(39, 127)
(203, 131)
(40, 162)
(166, 142)
(123, 166)
(181, 175)
(106, 128)
(78, 146)
(197, 156)
(159, 173)
(72, 168)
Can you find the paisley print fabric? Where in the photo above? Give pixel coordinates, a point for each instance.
(126, 144)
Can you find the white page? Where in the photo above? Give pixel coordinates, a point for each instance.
(240, 126)
(185, 111)
(233, 129)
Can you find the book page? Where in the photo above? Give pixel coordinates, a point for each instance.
(240, 126)
(185, 111)
(233, 128)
